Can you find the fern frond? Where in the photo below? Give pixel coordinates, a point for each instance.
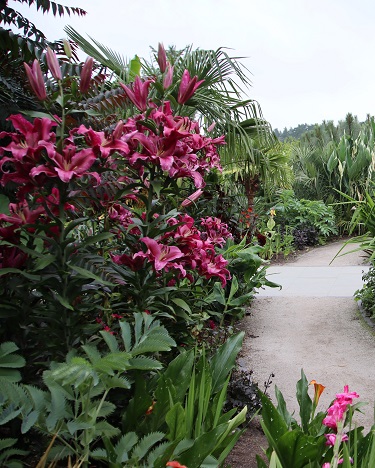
(144, 363)
(145, 445)
(124, 446)
(153, 345)
(114, 361)
(104, 429)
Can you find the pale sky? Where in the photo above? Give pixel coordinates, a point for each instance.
(309, 60)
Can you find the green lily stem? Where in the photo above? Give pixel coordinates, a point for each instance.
(336, 447)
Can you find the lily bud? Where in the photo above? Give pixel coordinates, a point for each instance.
(35, 77)
(162, 58)
(67, 49)
(192, 198)
(86, 73)
(168, 78)
(53, 64)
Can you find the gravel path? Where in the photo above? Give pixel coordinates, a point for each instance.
(324, 336)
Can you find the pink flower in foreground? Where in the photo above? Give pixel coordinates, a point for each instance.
(159, 254)
(69, 164)
(346, 397)
(35, 77)
(188, 86)
(337, 411)
(335, 414)
(331, 439)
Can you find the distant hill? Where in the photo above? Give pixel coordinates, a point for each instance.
(295, 132)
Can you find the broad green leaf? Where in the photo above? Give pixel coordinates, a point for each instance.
(181, 303)
(298, 449)
(179, 371)
(175, 419)
(304, 401)
(202, 447)
(281, 407)
(272, 421)
(224, 360)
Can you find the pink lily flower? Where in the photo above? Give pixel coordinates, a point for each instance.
(106, 144)
(139, 93)
(162, 58)
(159, 150)
(20, 214)
(86, 73)
(53, 64)
(69, 164)
(35, 77)
(159, 254)
(188, 86)
(31, 139)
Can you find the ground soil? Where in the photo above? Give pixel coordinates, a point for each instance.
(326, 336)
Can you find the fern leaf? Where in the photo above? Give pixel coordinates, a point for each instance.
(145, 445)
(144, 363)
(92, 353)
(57, 410)
(157, 452)
(126, 335)
(104, 429)
(110, 340)
(118, 382)
(37, 396)
(113, 361)
(8, 414)
(106, 409)
(151, 345)
(124, 446)
(28, 421)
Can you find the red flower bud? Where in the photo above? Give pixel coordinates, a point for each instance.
(86, 72)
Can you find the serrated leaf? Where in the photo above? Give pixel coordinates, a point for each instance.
(28, 421)
(181, 303)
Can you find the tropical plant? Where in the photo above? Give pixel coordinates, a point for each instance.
(334, 160)
(320, 439)
(185, 419)
(26, 45)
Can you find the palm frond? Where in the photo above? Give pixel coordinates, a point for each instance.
(103, 54)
